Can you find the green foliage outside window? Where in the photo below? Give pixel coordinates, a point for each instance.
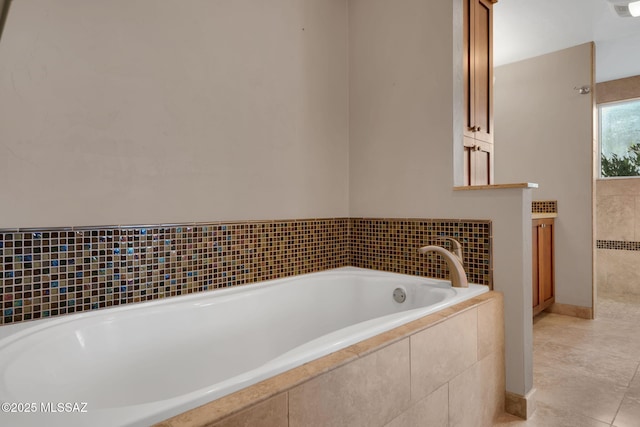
(627, 165)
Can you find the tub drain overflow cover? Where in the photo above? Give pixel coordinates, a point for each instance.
(399, 295)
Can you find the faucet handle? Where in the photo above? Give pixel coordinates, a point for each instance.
(456, 247)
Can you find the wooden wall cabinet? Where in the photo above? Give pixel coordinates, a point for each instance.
(543, 286)
(478, 91)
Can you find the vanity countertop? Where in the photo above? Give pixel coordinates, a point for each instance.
(495, 186)
(537, 215)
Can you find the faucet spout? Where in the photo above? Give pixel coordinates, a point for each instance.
(456, 270)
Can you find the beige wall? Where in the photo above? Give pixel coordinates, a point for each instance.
(405, 74)
(618, 219)
(544, 134)
(120, 112)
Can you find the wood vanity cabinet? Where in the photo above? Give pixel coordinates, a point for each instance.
(478, 91)
(542, 264)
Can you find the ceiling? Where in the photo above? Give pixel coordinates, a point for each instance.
(526, 28)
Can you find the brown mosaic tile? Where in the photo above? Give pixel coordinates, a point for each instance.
(392, 245)
(619, 245)
(53, 272)
(50, 273)
(544, 206)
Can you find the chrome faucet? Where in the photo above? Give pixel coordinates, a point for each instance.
(454, 261)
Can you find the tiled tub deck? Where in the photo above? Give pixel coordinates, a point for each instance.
(445, 369)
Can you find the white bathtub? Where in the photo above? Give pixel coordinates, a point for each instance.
(143, 363)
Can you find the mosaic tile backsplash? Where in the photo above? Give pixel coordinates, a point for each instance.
(544, 206)
(392, 245)
(53, 272)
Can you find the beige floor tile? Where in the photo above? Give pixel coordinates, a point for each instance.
(586, 371)
(629, 412)
(547, 416)
(619, 308)
(621, 338)
(601, 363)
(591, 396)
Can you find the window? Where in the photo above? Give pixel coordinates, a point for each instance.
(620, 139)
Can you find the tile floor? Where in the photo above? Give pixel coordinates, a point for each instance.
(586, 372)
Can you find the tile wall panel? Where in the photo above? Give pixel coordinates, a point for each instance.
(53, 272)
(392, 245)
(619, 245)
(544, 206)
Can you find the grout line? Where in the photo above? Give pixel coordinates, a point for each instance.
(288, 408)
(625, 394)
(448, 403)
(410, 374)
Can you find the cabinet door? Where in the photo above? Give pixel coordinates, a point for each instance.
(483, 70)
(545, 260)
(542, 263)
(478, 158)
(535, 288)
(468, 65)
(478, 92)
